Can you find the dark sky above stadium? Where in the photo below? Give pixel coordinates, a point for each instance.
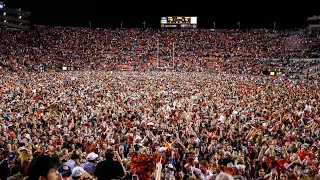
(226, 14)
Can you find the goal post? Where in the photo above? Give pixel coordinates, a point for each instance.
(172, 56)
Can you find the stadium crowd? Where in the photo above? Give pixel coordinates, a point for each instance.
(99, 124)
(106, 49)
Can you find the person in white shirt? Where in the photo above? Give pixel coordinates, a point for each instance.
(202, 172)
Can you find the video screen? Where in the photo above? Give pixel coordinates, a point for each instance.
(164, 20)
(1, 6)
(179, 22)
(193, 20)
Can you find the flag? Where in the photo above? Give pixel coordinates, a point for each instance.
(144, 23)
(238, 23)
(158, 170)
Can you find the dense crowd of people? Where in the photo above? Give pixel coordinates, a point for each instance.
(193, 50)
(101, 123)
(295, 66)
(254, 126)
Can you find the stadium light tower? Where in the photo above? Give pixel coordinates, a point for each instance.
(14, 18)
(173, 55)
(144, 24)
(314, 23)
(158, 63)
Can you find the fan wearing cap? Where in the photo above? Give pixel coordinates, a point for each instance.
(77, 172)
(65, 172)
(80, 173)
(224, 176)
(90, 166)
(169, 171)
(7, 164)
(150, 125)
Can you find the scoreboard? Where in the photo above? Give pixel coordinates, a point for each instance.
(179, 22)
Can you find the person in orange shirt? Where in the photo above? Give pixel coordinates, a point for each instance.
(303, 153)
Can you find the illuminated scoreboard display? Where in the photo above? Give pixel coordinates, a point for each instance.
(179, 22)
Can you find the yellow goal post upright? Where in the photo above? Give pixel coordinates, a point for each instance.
(172, 56)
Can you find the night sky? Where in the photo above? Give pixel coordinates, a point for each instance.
(108, 13)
